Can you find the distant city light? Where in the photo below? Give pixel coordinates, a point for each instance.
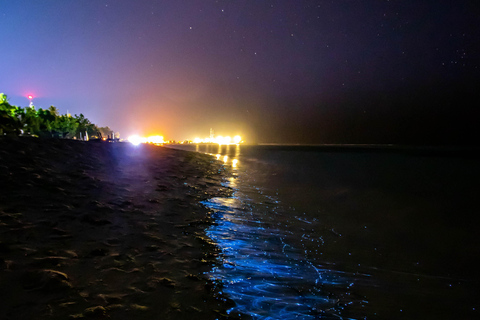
(136, 139)
(155, 139)
(220, 140)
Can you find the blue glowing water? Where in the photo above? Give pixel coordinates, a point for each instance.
(263, 271)
(271, 262)
(313, 232)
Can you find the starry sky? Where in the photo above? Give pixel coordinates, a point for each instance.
(285, 71)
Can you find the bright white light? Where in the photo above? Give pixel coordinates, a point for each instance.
(135, 140)
(237, 139)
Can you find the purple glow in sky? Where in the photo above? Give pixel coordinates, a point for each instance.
(273, 71)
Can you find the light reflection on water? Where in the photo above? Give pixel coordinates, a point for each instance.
(403, 217)
(263, 270)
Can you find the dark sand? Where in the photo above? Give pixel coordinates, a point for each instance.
(102, 230)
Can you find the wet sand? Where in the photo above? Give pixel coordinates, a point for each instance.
(103, 230)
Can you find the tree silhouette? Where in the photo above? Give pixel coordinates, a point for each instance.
(44, 122)
(8, 121)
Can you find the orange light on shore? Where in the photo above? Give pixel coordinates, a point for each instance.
(220, 140)
(136, 139)
(155, 139)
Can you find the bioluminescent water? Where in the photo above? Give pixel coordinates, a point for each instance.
(264, 267)
(315, 232)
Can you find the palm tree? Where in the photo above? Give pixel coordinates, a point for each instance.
(54, 111)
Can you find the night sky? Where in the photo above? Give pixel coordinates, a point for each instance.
(297, 71)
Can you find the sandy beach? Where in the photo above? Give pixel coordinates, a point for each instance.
(106, 230)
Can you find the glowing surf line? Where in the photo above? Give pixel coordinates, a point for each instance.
(265, 276)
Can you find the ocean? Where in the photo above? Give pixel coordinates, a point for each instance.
(347, 232)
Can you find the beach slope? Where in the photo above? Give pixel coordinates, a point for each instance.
(105, 230)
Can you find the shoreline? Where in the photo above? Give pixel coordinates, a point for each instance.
(106, 230)
(409, 150)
